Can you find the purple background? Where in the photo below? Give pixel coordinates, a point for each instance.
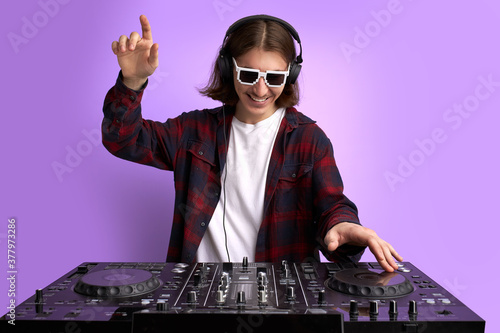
(381, 104)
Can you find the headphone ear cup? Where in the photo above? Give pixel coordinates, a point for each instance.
(294, 72)
(224, 62)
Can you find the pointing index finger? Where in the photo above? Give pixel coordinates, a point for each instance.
(146, 28)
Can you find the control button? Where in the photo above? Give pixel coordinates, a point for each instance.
(321, 297)
(290, 293)
(38, 296)
(353, 309)
(262, 297)
(373, 308)
(262, 278)
(191, 297)
(162, 306)
(83, 269)
(393, 310)
(445, 312)
(412, 310)
(445, 301)
(72, 314)
(241, 299)
(219, 297)
(197, 279)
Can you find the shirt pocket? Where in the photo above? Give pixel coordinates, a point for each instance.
(201, 167)
(294, 191)
(294, 173)
(201, 153)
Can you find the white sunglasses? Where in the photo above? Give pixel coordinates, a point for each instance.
(250, 76)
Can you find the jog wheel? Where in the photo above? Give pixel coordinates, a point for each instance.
(370, 283)
(117, 283)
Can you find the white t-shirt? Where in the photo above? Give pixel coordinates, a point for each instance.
(248, 156)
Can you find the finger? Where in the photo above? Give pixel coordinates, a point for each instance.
(388, 257)
(332, 239)
(378, 252)
(395, 254)
(153, 55)
(146, 28)
(122, 43)
(332, 245)
(132, 42)
(114, 47)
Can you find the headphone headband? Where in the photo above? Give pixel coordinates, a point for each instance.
(224, 59)
(285, 25)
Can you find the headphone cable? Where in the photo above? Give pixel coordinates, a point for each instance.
(224, 188)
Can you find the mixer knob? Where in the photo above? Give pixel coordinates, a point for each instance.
(290, 293)
(393, 310)
(162, 306)
(262, 278)
(39, 296)
(197, 279)
(191, 297)
(262, 297)
(373, 309)
(219, 297)
(240, 298)
(321, 297)
(412, 310)
(245, 262)
(224, 280)
(39, 308)
(353, 309)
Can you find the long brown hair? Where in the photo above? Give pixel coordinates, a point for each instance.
(262, 34)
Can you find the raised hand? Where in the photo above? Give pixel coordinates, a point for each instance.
(137, 57)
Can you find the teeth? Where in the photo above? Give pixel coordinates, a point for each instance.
(258, 100)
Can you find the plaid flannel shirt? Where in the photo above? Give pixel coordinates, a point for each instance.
(303, 195)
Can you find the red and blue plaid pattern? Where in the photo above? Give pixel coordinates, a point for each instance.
(304, 191)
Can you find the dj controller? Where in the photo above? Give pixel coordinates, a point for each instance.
(242, 297)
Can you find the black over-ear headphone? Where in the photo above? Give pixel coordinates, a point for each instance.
(225, 61)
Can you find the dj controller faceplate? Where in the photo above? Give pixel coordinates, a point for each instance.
(242, 297)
